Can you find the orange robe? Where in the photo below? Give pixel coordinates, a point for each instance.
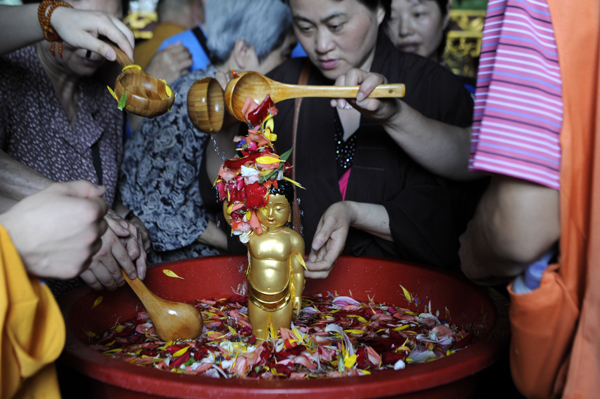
(555, 350)
(33, 330)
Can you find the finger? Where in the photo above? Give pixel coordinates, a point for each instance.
(323, 234)
(141, 266)
(173, 45)
(122, 259)
(105, 266)
(90, 279)
(117, 225)
(122, 36)
(368, 85)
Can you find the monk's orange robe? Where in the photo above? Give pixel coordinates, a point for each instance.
(555, 349)
(33, 330)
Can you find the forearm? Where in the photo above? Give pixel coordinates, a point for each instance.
(18, 181)
(440, 148)
(213, 236)
(516, 223)
(19, 26)
(371, 218)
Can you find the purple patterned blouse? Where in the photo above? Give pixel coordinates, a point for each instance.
(35, 130)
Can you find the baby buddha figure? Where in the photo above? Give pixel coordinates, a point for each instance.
(275, 273)
(257, 203)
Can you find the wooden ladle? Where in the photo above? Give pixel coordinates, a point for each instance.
(172, 320)
(206, 104)
(146, 95)
(257, 86)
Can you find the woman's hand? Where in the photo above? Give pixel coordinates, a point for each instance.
(121, 249)
(57, 230)
(81, 28)
(171, 63)
(381, 109)
(329, 240)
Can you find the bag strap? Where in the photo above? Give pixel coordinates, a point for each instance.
(201, 39)
(303, 80)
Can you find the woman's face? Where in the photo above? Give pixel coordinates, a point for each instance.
(337, 34)
(276, 213)
(417, 26)
(75, 60)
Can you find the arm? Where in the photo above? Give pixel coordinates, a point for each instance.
(440, 148)
(297, 271)
(18, 181)
(20, 27)
(516, 222)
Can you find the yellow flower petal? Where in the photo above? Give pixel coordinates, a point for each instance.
(181, 351)
(349, 361)
(112, 93)
(98, 301)
(171, 273)
(132, 66)
(268, 159)
(406, 294)
(167, 88)
(300, 260)
(293, 182)
(354, 331)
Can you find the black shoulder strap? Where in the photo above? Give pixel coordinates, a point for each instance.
(97, 160)
(201, 39)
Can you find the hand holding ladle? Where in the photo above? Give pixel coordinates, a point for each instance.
(172, 320)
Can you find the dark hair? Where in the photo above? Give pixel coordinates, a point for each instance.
(371, 5)
(286, 188)
(443, 5)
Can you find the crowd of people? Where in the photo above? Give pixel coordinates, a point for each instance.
(498, 186)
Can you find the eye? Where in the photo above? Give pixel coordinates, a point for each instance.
(335, 27)
(304, 27)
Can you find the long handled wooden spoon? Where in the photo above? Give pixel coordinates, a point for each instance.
(257, 86)
(172, 320)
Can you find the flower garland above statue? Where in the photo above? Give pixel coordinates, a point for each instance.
(244, 181)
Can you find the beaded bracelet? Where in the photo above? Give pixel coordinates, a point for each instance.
(45, 11)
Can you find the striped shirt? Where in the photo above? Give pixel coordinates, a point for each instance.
(518, 102)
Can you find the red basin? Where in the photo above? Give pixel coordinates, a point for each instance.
(451, 377)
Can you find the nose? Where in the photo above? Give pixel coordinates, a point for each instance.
(323, 41)
(406, 25)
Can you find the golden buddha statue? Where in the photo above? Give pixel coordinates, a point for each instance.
(275, 271)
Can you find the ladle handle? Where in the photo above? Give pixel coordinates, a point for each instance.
(390, 90)
(140, 289)
(122, 58)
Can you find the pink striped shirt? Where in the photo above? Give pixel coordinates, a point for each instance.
(518, 102)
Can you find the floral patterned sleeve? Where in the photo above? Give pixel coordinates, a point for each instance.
(160, 173)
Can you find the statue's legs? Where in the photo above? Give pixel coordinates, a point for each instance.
(260, 319)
